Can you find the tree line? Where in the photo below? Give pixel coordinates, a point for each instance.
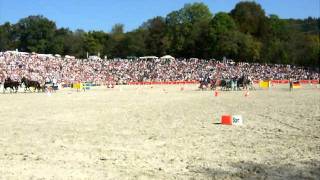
(246, 33)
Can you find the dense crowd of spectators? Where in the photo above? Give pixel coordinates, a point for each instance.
(122, 71)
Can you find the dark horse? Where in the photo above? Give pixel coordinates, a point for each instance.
(226, 84)
(245, 83)
(13, 85)
(29, 83)
(213, 84)
(205, 83)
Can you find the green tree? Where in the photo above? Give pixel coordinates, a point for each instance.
(186, 26)
(136, 42)
(304, 50)
(249, 48)
(275, 46)
(250, 18)
(91, 44)
(6, 40)
(223, 22)
(35, 34)
(156, 41)
(58, 45)
(97, 42)
(238, 46)
(243, 34)
(75, 43)
(117, 39)
(222, 28)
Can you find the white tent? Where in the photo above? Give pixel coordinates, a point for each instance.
(148, 57)
(167, 57)
(45, 55)
(69, 57)
(94, 58)
(17, 53)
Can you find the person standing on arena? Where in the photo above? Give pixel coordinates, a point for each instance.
(48, 85)
(54, 84)
(110, 83)
(290, 84)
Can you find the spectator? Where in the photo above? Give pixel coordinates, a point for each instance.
(123, 71)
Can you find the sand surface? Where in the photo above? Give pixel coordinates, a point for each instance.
(139, 132)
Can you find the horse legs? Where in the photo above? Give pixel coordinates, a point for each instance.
(213, 87)
(251, 87)
(201, 86)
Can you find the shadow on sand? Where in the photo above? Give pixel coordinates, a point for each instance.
(252, 170)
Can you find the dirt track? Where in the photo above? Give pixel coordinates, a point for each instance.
(133, 132)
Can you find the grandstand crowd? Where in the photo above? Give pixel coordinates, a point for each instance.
(122, 71)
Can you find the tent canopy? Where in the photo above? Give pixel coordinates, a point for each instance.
(45, 55)
(167, 57)
(94, 58)
(69, 57)
(148, 57)
(17, 52)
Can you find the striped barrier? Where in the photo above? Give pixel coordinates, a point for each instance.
(73, 85)
(284, 81)
(87, 85)
(163, 83)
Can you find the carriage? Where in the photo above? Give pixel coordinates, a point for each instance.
(226, 84)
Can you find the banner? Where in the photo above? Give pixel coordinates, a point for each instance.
(264, 84)
(77, 86)
(296, 84)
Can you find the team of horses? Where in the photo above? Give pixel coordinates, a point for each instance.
(205, 83)
(13, 86)
(241, 83)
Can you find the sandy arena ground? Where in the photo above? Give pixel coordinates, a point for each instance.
(133, 132)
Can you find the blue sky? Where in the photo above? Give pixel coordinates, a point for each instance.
(103, 14)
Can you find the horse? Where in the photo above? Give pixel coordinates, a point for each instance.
(29, 83)
(243, 82)
(13, 85)
(213, 84)
(204, 83)
(234, 84)
(48, 86)
(226, 84)
(250, 84)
